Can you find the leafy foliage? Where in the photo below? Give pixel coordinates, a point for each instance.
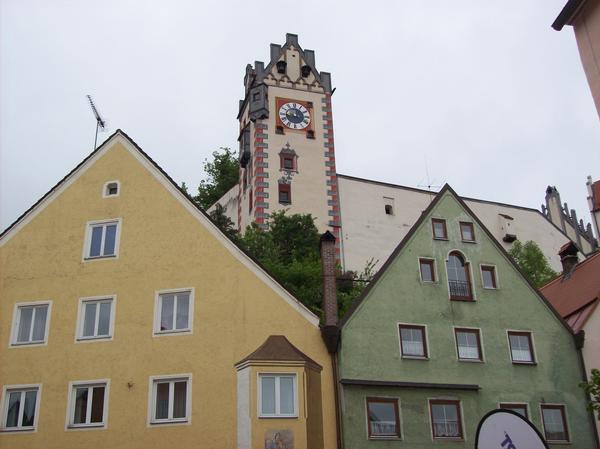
(533, 263)
(223, 221)
(289, 249)
(222, 174)
(592, 387)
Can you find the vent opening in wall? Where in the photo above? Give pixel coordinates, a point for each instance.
(111, 188)
(388, 204)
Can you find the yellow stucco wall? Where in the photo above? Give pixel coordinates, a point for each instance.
(162, 246)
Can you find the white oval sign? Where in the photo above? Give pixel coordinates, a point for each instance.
(506, 429)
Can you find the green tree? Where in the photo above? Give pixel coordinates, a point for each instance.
(533, 263)
(593, 389)
(223, 222)
(222, 174)
(289, 250)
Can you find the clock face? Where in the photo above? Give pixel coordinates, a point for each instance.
(294, 115)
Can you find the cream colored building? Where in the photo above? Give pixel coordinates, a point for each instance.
(284, 168)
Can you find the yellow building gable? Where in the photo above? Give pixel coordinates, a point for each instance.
(123, 310)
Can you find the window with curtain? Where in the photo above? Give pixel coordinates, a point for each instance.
(31, 324)
(412, 341)
(170, 400)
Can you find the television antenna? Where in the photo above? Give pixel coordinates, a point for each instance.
(430, 183)
(100, 122)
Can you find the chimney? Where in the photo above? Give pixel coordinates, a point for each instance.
(568, 257)
(329, 330)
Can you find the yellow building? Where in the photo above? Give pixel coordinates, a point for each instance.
(128, 320)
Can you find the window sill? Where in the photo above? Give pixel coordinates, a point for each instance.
(170, 422)
(285, 203)
(27, 343)
(17, 430)
(385, 438)
(454, 298)
(457, 439)
(524, 363)
(415, 357)
(278, 417)
(490, 288)
(471, 360)
(173, 332)
(86, 426)
(90, 339)
(469, 241)
(443, 239)
(88, 258)
(558, 442)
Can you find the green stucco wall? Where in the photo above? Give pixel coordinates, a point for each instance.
(370, 342)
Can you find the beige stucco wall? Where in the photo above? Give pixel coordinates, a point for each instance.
(587, 33)
(164, 244)
(369, 233)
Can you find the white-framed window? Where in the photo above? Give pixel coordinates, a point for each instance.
(170, 399)
(20, 406)
(96, 318)
(102, 239)
(111, 189)
(277, 395)
(174, 311)
(88, 404)
(31, 321)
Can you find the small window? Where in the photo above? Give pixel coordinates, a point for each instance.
(439, 229)
(383, 418)
(277, 395)
(310, 134)
(171, 400)
(389, 209)
(488, 276)
(287, 162)
(31, 323)
(96, 319)
(174, 312)
(111, 189)
(426, 266)
(521, 409)
(413, 343)
(468, 344)
(467, 234)
(102, 239)
(279, 130)
(285, 194)
(521, 347)
(256, 96)
(555, 423)
(20, 408)
(89, 403)
(446, 419)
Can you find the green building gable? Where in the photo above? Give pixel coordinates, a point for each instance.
(447, 331)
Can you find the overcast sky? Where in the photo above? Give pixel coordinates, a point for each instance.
(484, 94)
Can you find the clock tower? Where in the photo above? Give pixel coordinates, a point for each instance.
(287, 154)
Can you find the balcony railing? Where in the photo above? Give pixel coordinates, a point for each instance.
(460, 289)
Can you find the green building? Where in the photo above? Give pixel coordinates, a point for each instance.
(448, 330)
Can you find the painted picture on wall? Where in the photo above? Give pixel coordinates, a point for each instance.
(279, 439)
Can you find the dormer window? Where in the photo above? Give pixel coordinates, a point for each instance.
(305, 70)
(281, 66)
(111, 189)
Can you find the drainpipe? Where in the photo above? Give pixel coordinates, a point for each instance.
(579, 342)
(330, 331)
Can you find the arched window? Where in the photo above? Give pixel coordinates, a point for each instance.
(459, 282)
